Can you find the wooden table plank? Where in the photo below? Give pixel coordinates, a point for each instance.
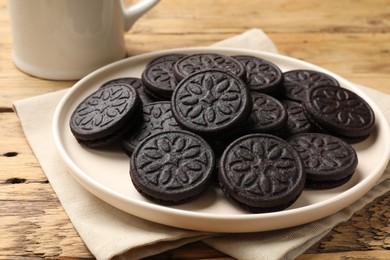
(350, 38)
(33, 222)
(224, 16)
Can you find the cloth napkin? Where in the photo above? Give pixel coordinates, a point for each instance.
(110, 233)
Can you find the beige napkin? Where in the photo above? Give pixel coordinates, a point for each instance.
(109, 232)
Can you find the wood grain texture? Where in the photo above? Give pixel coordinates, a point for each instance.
(350, 38)
(33, 222)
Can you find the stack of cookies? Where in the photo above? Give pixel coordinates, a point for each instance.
(263, 134)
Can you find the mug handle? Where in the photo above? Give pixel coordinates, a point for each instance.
(134, 12)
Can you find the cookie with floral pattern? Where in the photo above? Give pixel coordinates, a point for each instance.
(297, 82)
(211, 103)
(261, 173)
(262, 75)
(172, 167)
(340, 112)
(104, 116)
(329, 161)
(158, 77)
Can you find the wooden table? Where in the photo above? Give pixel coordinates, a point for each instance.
(350, 38)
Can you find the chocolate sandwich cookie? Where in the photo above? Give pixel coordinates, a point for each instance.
(156, 117)
(297, 82)
(172, 167)
(268, 114)
(158, 77)
(103, 116)
(329, 161)
(339, 111)
(261, 75)
(211, 103)
(296, 122)
(261, 173)
(205, 61)
(135, 83)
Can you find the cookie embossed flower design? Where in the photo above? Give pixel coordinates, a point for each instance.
(161, 74)
(172, 167)
(204, 100)
(261, 168)
(210, 101)
(297, 82)
(173, 162)
(322, 153)
(329, 161)
(102, 108)
(261, 173)
(261, 75)
(342, 106)
(340, 112)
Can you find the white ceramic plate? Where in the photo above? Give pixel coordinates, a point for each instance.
(105, 173)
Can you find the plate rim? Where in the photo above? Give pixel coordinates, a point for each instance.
(95, 187)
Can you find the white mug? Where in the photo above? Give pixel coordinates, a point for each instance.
(67, 39)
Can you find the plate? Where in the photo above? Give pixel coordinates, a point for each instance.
(105, 173)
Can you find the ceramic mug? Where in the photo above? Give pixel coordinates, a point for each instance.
(67, 39)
